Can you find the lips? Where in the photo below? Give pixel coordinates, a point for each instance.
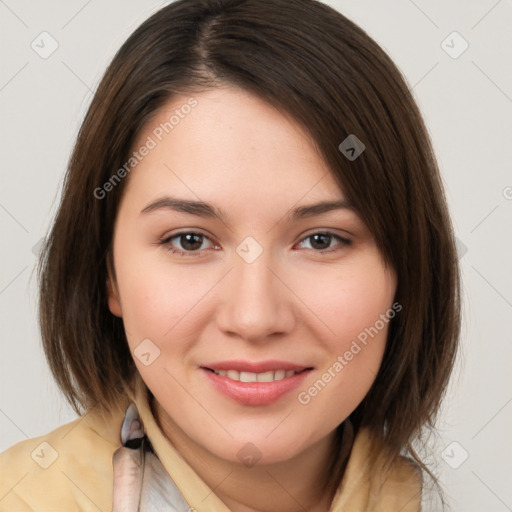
(269, 376)
(255, 367)
(255, 383)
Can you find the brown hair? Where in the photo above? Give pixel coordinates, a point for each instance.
(315, 65)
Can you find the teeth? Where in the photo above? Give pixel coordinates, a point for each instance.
(279, 375)
(255, 377)
(233, 374)
(248, 377)
(265, 377)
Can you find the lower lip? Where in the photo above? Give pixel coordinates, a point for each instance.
(255, 393)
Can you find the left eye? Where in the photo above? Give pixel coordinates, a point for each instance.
(321, 242)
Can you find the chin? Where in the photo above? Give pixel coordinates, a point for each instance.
(258, 447)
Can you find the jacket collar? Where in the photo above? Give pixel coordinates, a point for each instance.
(383, 484)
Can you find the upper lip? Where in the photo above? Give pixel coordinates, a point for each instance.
(255, 366)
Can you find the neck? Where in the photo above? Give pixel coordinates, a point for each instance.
(307, 482)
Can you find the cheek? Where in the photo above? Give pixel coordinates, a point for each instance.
(356, 306)
(159, 299)
(348, 300)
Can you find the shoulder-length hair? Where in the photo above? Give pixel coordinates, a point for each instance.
(315, 65)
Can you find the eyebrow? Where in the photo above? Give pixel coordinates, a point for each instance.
(203, 209)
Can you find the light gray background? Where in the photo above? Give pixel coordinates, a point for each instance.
(467, 104)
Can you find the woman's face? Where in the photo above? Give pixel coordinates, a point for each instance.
(253, 314)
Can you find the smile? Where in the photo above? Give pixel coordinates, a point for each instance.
(255, 377)
(251, 383)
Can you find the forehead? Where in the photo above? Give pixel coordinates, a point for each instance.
(225, 144)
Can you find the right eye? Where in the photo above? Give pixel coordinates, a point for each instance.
(189, 243)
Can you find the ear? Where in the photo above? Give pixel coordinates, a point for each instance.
(114, 303)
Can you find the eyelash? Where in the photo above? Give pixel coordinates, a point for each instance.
(167, 243)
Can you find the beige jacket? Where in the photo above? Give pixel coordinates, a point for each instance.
(71, 469)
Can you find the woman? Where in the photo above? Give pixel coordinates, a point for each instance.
(250, 291)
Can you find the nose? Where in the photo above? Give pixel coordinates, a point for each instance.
(257, 306)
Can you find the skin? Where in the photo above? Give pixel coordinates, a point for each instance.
(295, 302)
